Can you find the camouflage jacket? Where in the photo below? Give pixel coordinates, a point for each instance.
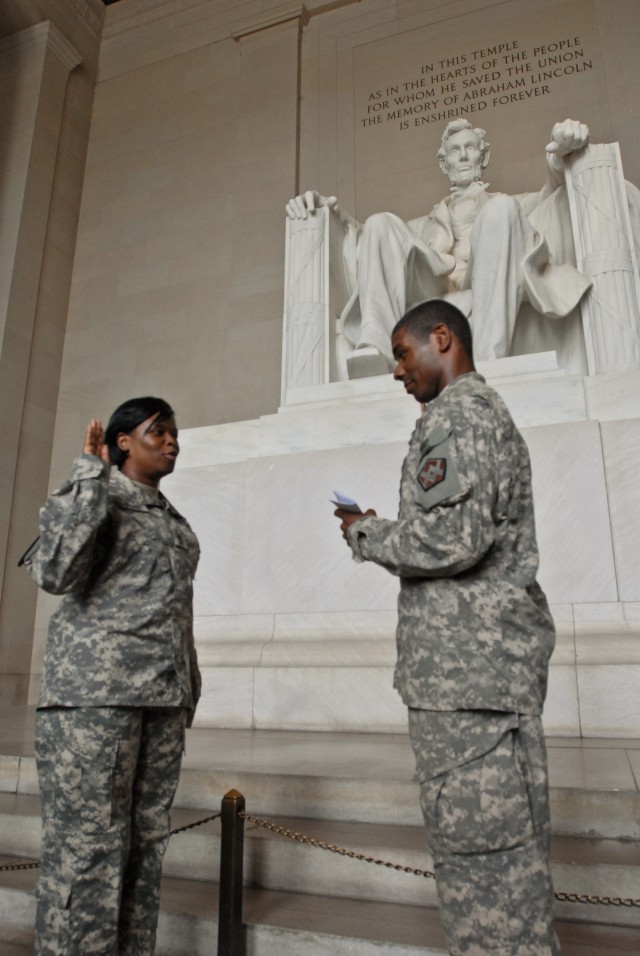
(125, 561)
(474, 628)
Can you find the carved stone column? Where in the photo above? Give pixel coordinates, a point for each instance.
(605, 253)
(35, 64)
(315, 291)
(305, 352)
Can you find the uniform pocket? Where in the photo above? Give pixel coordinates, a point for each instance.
(97, 792)
(84, 794)
(484, 806)
(53, 902)
(187, 548)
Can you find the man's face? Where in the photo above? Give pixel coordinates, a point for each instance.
(419, 365)
(463, 158)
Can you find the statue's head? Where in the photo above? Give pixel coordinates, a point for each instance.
(464, 152)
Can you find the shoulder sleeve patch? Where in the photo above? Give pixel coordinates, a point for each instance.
(437, 476)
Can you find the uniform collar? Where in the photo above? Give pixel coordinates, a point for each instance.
(132, 495)
(463, 382)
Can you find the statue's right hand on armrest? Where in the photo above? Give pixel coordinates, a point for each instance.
(306, 204)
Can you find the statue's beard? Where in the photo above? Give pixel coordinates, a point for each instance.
(466, 177)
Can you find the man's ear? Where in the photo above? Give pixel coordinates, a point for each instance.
(443, 337)
(443, 165)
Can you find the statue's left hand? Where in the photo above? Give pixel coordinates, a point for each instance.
(305, 205)
(566, 137)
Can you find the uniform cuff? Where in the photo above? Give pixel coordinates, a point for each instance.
(90, 466)
(357, 538)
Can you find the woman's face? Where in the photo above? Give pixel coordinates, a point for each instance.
(152, 450)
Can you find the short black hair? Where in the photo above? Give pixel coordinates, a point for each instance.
(422, 319)
(127, 417)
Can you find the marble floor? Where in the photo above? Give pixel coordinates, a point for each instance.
(585, 763)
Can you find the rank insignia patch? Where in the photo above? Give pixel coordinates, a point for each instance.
(432, 472)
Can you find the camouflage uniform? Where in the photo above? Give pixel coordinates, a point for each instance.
(474, 640)
(120, 681)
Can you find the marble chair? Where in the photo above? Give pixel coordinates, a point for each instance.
(602, 335)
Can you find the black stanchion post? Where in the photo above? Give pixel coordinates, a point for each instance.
(230, 929)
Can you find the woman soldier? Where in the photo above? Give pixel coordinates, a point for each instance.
(120, 683)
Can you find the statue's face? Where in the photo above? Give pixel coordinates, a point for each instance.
(463, 159)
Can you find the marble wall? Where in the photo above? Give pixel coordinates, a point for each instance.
(454, 56)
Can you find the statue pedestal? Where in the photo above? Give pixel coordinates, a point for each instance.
(292, 633)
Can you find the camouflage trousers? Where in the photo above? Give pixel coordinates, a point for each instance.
(107, 777)
(489, 833)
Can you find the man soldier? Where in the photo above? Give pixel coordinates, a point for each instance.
(486, 252)
(474, 639)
